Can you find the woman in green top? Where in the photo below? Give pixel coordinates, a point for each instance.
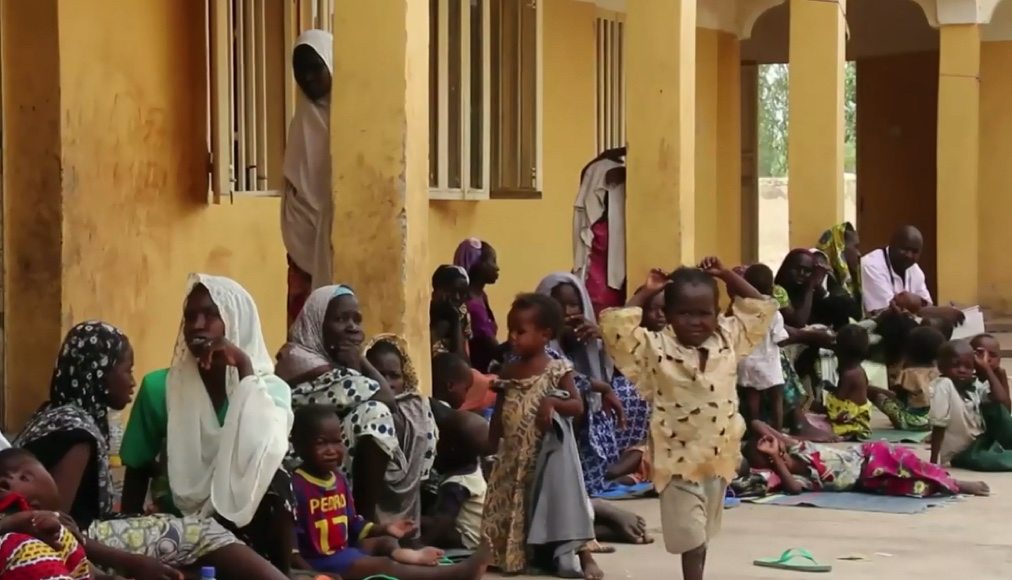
(218, 419)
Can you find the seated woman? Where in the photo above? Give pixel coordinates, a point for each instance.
(840, 246)
(618, 418)
(324, 362)
(219, 418)
(69, 436)
(876, 467)
(479, 260)
(417, 432)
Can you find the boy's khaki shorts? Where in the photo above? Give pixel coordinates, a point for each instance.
(691, 513)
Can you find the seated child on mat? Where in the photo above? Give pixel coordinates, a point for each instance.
(970, 423)
(331, 537)
(874, 467)
(908, 402)
(847, 408)
(692, 368)
(454, 521)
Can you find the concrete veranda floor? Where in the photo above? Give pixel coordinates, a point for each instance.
(970, 539)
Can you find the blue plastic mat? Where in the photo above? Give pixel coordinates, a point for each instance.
(853, 501)
(618, 491)
(898, 436)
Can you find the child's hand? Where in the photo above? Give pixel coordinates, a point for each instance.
(39, 524)
(982, 360)
(712, 266)
(401, 528)
(656, 280)
(769, 446)
(545, 411)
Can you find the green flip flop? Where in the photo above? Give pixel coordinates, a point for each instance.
(794, 559)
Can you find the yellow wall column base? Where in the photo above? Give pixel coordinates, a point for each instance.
(379, 144)
(815, 142)
(660, 125)
(958, 163)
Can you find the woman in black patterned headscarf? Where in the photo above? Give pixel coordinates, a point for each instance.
(70, 437)
(92, 375)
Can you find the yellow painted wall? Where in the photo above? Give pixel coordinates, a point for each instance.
(707, 80)
(995, 286)
(32, 201)
(134, 161)
(534, 237)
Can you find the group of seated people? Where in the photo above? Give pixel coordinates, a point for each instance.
(329, 459)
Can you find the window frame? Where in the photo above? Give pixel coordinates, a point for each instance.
(297, 16)
(610, 96)
(489, 190)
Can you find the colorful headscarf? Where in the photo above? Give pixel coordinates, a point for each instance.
(468, 254)
(78, 396)
(832, 243)
(305, 350)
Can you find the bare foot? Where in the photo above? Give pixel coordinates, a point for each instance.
(973, 488)
(622, 526)
(422, 557)
(596, 547)
(474, 567)
(591, 571)
(810, 432)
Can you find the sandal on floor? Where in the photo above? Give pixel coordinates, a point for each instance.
(794, 559)
(730, 500)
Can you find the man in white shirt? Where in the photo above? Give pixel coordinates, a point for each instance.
(891, 274)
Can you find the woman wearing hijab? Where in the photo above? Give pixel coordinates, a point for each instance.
(618, 418)
(839, 246)
(417, 435)
(222, 418)
(306, 203)
(324, 363)
(69, 435)
(479, 260)
(599, 229)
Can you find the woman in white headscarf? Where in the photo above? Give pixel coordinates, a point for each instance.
(306, 204)
(224, 418)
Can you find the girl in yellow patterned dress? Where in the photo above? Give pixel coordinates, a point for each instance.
(523, 410)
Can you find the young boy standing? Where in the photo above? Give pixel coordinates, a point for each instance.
(692, 363)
